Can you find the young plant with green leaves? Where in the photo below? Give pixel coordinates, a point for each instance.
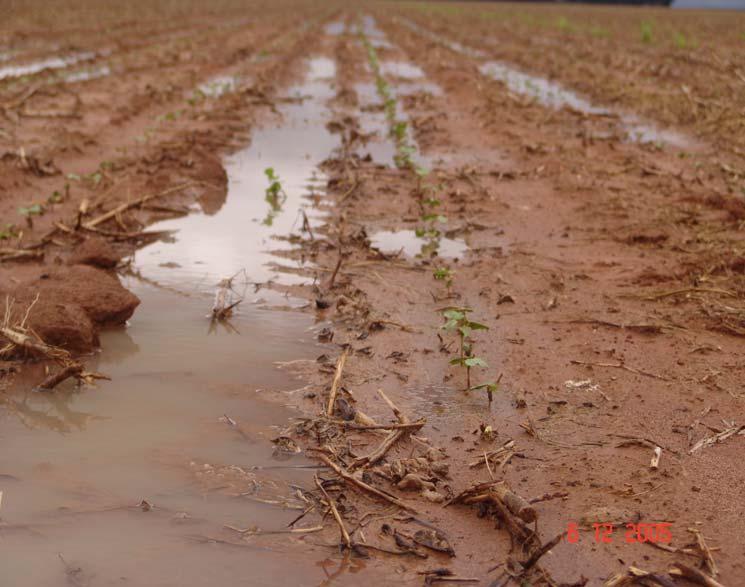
(274, 195)
(10, 231)
(457, 320)
(446, 275)
(430, 231)
(398, 129)
(646, 31)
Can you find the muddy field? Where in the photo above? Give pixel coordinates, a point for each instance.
(398, 293)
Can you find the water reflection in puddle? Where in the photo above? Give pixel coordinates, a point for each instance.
(546, 92)
(88, 74)
(239, 234)
(186, 418)
(418, 245)
(554, 95)
(11, 71)
(445, 405)
(424, 86)
(401, 69)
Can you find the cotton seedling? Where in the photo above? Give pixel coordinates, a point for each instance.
(457, 320)
(421, 174)
(646, 31)
(10, 231)
(32, 210)
(399, 130)
(445, 275)
(489, 387)
(274, 195)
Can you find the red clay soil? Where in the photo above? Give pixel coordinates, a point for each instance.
(609, 275)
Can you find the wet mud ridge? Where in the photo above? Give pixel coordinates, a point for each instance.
(354, 298)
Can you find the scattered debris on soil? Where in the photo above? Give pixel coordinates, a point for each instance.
(528, 328)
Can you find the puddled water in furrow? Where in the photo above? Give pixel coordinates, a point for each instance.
(186, 420)
(553, 95)
(56, 62)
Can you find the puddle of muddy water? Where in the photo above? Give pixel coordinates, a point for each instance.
(12, 71)
(238, 234)
(88, 74)
(335, 28)
(415, 245)
(554, 95)
(401, 69)
(544, 91)
(75, 463)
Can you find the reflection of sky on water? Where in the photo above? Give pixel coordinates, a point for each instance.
(50, 63)
(239, 235)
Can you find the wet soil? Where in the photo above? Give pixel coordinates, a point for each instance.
(604, 264)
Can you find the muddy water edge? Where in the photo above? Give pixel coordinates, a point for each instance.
(166, 475)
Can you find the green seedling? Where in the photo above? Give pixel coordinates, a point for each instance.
(55, 198)
(10, 231)
(399, 130)
(421, 174)
(490, 387)
(445, 275)
(646, 31)
(457, 320)
(563, 24)
(274, 195)
(32, 210)
(469, 362)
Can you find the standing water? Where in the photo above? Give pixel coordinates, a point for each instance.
(134, 483)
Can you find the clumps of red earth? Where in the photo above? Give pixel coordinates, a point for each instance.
(73, 303)
(95, 251)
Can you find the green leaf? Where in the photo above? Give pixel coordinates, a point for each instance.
(32, 210)
(488, 386)
(457, 361)
(476, 325)
(465, 331)
(450, 325)
(475, 362)
(453, 314)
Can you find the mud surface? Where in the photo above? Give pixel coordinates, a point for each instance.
(349, 180)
